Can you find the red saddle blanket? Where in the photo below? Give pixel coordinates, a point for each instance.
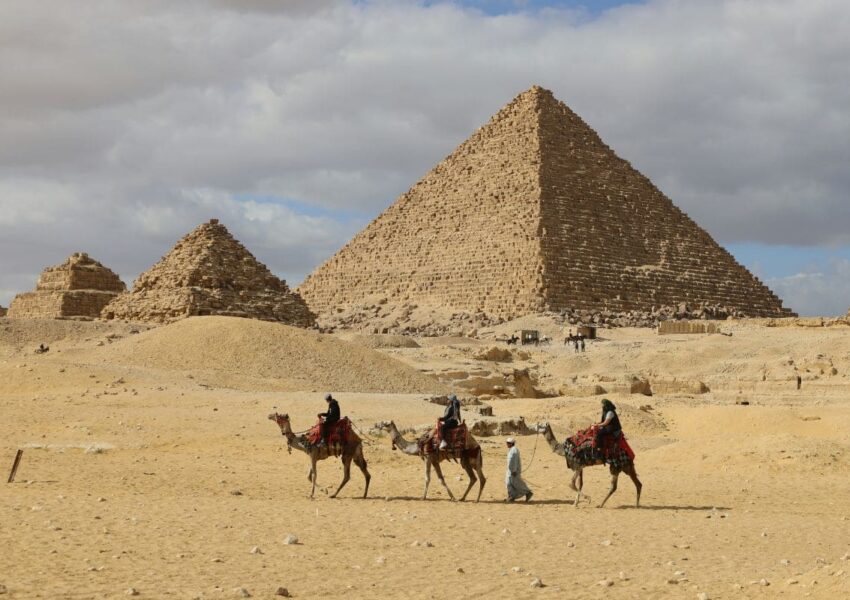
(338, 436)
(456, 439)
(611, 447)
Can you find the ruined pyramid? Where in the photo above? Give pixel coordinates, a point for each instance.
(535, 213)
(209, 272)
(79, 287)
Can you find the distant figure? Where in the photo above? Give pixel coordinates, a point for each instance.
(517, 488)
(450, 420)
(799, 382)
(42, 349)
(581, 341)
(575, 343)
(328, 418)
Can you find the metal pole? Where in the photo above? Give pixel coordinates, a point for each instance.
(15, 466)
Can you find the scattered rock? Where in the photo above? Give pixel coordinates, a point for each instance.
(242, 592)
(536, 583)
(132, 592)
(702, 596)
(282, 591)
(256, 550)
(606, 583)
(460, 570)
(380, 560)
(290, 540)
(236, 493)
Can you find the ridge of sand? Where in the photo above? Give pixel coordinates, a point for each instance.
(245, 348)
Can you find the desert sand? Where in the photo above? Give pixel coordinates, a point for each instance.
(150, 467)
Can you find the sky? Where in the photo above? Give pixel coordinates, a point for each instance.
(123, 125)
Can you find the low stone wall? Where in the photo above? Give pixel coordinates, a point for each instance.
(687, 327)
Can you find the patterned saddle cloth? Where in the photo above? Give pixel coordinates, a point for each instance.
(339, 435)
(581, 449)
(456, 441)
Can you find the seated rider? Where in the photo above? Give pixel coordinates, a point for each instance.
(450, 420)
(328, 418)
(609, 426)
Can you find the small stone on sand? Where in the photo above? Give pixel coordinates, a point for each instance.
(536, 583)
(290, 540)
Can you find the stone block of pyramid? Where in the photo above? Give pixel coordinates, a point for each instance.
(535, 213)
(79, 287)
(209, 272)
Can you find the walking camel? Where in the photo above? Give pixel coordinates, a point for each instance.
(351, 451)
(471, 460)
(577, 467)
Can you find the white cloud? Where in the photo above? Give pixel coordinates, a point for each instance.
(825, 292)
(126, 124)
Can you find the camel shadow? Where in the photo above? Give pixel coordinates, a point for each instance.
(670, 507)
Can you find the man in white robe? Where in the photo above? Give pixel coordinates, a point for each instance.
(517, 488)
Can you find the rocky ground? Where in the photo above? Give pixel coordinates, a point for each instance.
(150, 468)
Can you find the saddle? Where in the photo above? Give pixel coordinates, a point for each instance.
(582, 449)
(456, 441)
(338, 436)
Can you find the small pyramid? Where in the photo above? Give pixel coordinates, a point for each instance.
(535, 213)
(79, 287)
(209, 272)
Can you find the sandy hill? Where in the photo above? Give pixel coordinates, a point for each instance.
(237, 349)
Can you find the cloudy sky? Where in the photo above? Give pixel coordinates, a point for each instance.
(125, 124)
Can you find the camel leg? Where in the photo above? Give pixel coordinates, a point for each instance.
(427, 478)
(346, 473)
(615, 474)
(481, 479)
(442, 479)
(313, 470)
(576, 484)
(469, 473)
(361, 462)
(632, 473)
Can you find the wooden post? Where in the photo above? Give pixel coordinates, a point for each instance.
(15, 466)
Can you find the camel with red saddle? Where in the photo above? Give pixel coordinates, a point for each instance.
(349, 449)
(578, 457)
(466, 450)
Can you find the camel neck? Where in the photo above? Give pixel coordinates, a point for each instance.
(401, 443)
(553, 442)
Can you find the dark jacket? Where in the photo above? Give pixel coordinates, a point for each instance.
(614, 427)
(452, 411)
(332, 416)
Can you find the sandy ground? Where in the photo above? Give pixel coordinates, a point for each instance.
(155, 478)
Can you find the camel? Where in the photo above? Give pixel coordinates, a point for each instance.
(577, 481)
(472, 460)
(352, 451)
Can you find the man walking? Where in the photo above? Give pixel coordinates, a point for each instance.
(517, 488)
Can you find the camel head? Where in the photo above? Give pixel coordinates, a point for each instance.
(542, 427)
(386, 426)
(282, 422)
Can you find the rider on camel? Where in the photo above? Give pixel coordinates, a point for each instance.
(328, 418)
(609, 426)
(450, 420)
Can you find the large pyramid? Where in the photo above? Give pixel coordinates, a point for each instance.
(533, 213)
(79, 287)
(209, 272)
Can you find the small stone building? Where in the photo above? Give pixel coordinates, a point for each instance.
(209, 272)
(79, 287)
(2, 312)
